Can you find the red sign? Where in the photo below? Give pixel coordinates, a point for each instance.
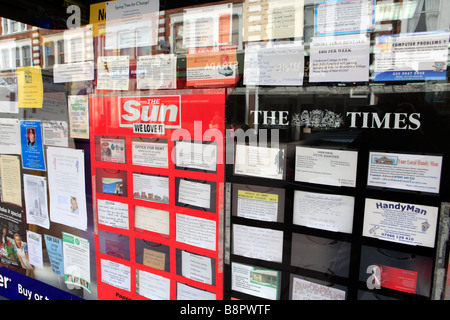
(398, 279)
(162, 111)
(191, 115)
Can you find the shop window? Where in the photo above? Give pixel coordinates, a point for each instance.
(336, 132)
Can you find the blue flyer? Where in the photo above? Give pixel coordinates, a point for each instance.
(55, 254)
(32, 146)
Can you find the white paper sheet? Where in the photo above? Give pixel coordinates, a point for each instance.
(307, 290)
(196, 155)
(113, 72)
(257, 205)
(77, 267)
(196, 231)
(331, 212)
(278, 64)
(326, 166)
(195, 193)
(259, 162)
(196, 267)
(113, 213)
(35, 193)
(151, 219)
(156, 72)
(131, 23)
(115, 274)
(66, 182)
(34, 243)
(10, 136)
(339, 59)
(55, 133)
(185, 292)
(207, 26)
(152, 286)
(258, 243)
(149, 154)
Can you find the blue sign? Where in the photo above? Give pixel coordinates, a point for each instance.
(55, 253)
(32, 145)
(16, 286)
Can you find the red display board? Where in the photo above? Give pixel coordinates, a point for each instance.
(157, 202)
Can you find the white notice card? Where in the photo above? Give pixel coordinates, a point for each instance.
(259, 162)
(256, 281)
(10, 136)
(113, 72)
(196, 231)
(112, 213)
(272, 19)
(274, 65)
(340, 59)
(34, 243)
(258, 243)
(149, 154)
(207, 26)
(326, 166)
(196, 155)
(131, 23)
(307, 290)
(152, 286)
(196, 267)
(331, 212)
(412, 224)
(185, 292)
(115, 274)
(196, 194)
(151, 219)
(156, 72)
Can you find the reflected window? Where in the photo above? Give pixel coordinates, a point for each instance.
(26, 56)
(49, 54)
(11, 26)
(425, 16)
(53, 50)
(6, 61)
(177, 31)
(60, 51)
(15, 54)
(23, 54)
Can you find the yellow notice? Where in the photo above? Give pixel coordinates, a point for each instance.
(11, 179)
(258, 196)
(30, 87)
(97, 18)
